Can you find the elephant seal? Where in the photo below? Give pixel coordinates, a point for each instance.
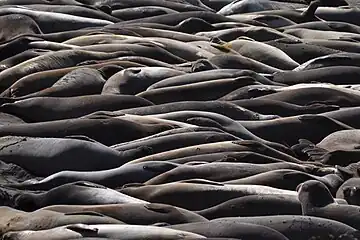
(135, 80)
(107, 131)
(47, 62)
(349, 191)
(221, 107)
(285, 109)
(212, 148)
(262, 52)
(321, 127)
(123, 231)
(78, 193)
(212, 90)
(183, 194)
(21, 57)
(316, 200)
(221, 171)
(292, 226)
(41, 109)
(254, 205)
(16, 220)
(111, 178)
(69, 154)
(288, 179)
(135, 213)
(233, 230)
(335, 59)
(82, 81)
(299, 50)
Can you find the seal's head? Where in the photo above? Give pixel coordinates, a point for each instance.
(313, 194)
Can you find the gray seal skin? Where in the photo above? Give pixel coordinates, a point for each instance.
(135, 213)
(300, 51)
(228, 156)
(292, 226)
(316, 200)
(348, 116)
(69, 154)
(177, 140)
(21, 25)
(65, 58)
(35, 82)
(81, 11)
(349, 191)
(82, 81)
(288, 179)
(209, 119)
(135, 80)
(340, 45)
(207, 193)
(263, 52)
(41, 109)
(78, 193)
(248, 6)
(304, 33)
(55, 22)
(320, 127)
(250, 92)
(332, 74)
(123, 231)
(237, 230)
(258, 33)
(176, 18)
(211, 148)
(205, 76)
(238, 61)
(285, 109)
(295, 15)
(335, 59)
(211, 90)
(21, 57)
(222, 171)
(327, 26)
(111, 178)
(310, 95)
(348, 15)
(16, 220)
(108, 131)
(137, 12)
(221, 107)
(254, 205)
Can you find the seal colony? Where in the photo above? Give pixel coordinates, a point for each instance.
(179, 119)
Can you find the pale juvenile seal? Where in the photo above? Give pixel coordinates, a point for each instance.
(16, 220)
(211, 90)
(135, 232)
(112, 178)
(135, 213)
(78, 193)
(262, 52)
(207, 193)
(135, 80)
(316, 200)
